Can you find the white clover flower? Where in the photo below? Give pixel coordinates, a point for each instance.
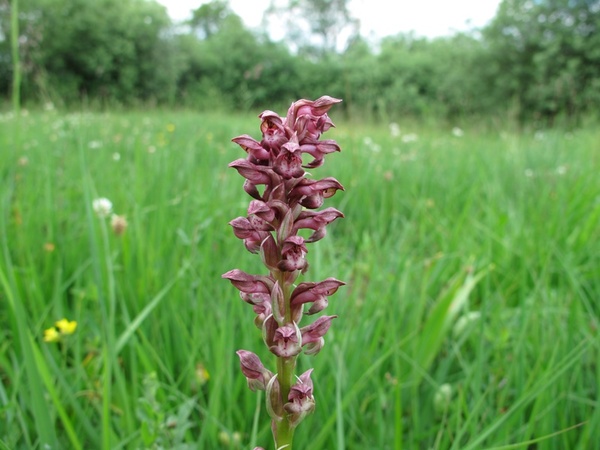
(394, 129)
(457, 132)
(102, 207)
(116, 156)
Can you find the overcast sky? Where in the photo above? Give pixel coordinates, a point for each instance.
(378, 18)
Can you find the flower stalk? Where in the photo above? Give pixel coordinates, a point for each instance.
(285, 201)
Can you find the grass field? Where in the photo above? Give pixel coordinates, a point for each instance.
(470, 319)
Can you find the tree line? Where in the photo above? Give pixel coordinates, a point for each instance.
(537, 59)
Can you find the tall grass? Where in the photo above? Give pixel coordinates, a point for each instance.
(470, 319)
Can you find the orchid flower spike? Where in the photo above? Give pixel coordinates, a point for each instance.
(286, 200)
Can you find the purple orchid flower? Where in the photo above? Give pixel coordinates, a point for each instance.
(300, 399)
(315, 293)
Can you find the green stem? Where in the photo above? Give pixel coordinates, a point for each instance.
(283, 433)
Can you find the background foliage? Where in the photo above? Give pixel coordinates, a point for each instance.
(536, 60)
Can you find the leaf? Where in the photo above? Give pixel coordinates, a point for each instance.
(443, 314)
(135, 324)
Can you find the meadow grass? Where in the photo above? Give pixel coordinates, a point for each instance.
(470, 318)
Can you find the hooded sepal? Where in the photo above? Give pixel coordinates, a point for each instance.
(317, 221)
(315, 293)
(312, 335)
(255, 151)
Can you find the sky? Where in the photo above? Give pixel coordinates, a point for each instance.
(379, 18)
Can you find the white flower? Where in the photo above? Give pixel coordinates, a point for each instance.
(457, 132)
(102, 207)
(394, 129)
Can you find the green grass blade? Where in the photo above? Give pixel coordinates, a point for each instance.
(35, 391)
(568, 362)
(139, 319)
(443, 314)
(46, 377)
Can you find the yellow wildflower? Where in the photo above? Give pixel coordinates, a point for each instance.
(51, 335)
(66, 327)
(170, 127)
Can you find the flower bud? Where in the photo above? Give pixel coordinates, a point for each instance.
(254, 371)
(118, 224)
